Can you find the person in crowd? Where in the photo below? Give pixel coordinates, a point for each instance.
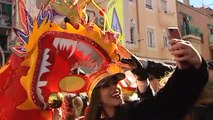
(171, 102)
(73, 106)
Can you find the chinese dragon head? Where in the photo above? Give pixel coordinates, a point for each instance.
(52, 58)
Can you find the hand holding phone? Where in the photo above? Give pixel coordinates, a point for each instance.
(173, 33)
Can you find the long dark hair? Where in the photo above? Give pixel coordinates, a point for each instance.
(95, 108)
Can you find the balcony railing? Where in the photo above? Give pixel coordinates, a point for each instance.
(191, 30)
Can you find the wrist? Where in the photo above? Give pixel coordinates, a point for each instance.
(142, 86)
(140, 74)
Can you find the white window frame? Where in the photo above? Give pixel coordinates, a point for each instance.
(132, 40)
(132, 35)
(151, 42)
(164, 5)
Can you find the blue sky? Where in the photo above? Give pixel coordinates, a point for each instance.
(199, 3)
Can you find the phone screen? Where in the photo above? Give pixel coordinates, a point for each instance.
(174, 33)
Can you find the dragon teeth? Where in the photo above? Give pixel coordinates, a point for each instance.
(42, 83)
(44, 63)
(62, 44)
(74, 46)
(40, 97)
(56, 42)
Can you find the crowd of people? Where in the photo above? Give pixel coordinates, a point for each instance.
(170, 98)
(162, 92)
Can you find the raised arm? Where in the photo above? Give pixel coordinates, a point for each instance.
(182, 89)
(142, 69)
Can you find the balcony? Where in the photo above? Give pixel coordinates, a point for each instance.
(166, 18)
(193, 34)
(191, 30)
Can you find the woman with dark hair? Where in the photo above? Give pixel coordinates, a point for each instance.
(171, 102)
(105, 96)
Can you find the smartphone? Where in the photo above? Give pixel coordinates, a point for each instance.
(173, 32)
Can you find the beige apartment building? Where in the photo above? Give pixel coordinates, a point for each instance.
(142, 24)
(145, 27)
(197, 27)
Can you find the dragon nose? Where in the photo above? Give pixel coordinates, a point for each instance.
(72, 83)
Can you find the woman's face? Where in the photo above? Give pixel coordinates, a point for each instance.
(110, 94)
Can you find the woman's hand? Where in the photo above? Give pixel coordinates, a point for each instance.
(130, 61)
(125, 58)
(185, 54)
(124, 55)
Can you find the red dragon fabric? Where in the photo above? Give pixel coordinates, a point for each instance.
(53, 58)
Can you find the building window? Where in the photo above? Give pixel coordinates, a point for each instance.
(211, 31)
(150, 37)
(164, 5)
(132, 34)
(165, 41)
(148, 4)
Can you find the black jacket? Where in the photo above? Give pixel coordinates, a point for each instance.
(156, 69)
(172, 102)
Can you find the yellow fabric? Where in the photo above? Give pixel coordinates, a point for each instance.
(32, 51)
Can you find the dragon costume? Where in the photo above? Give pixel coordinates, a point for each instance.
(53, 58)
